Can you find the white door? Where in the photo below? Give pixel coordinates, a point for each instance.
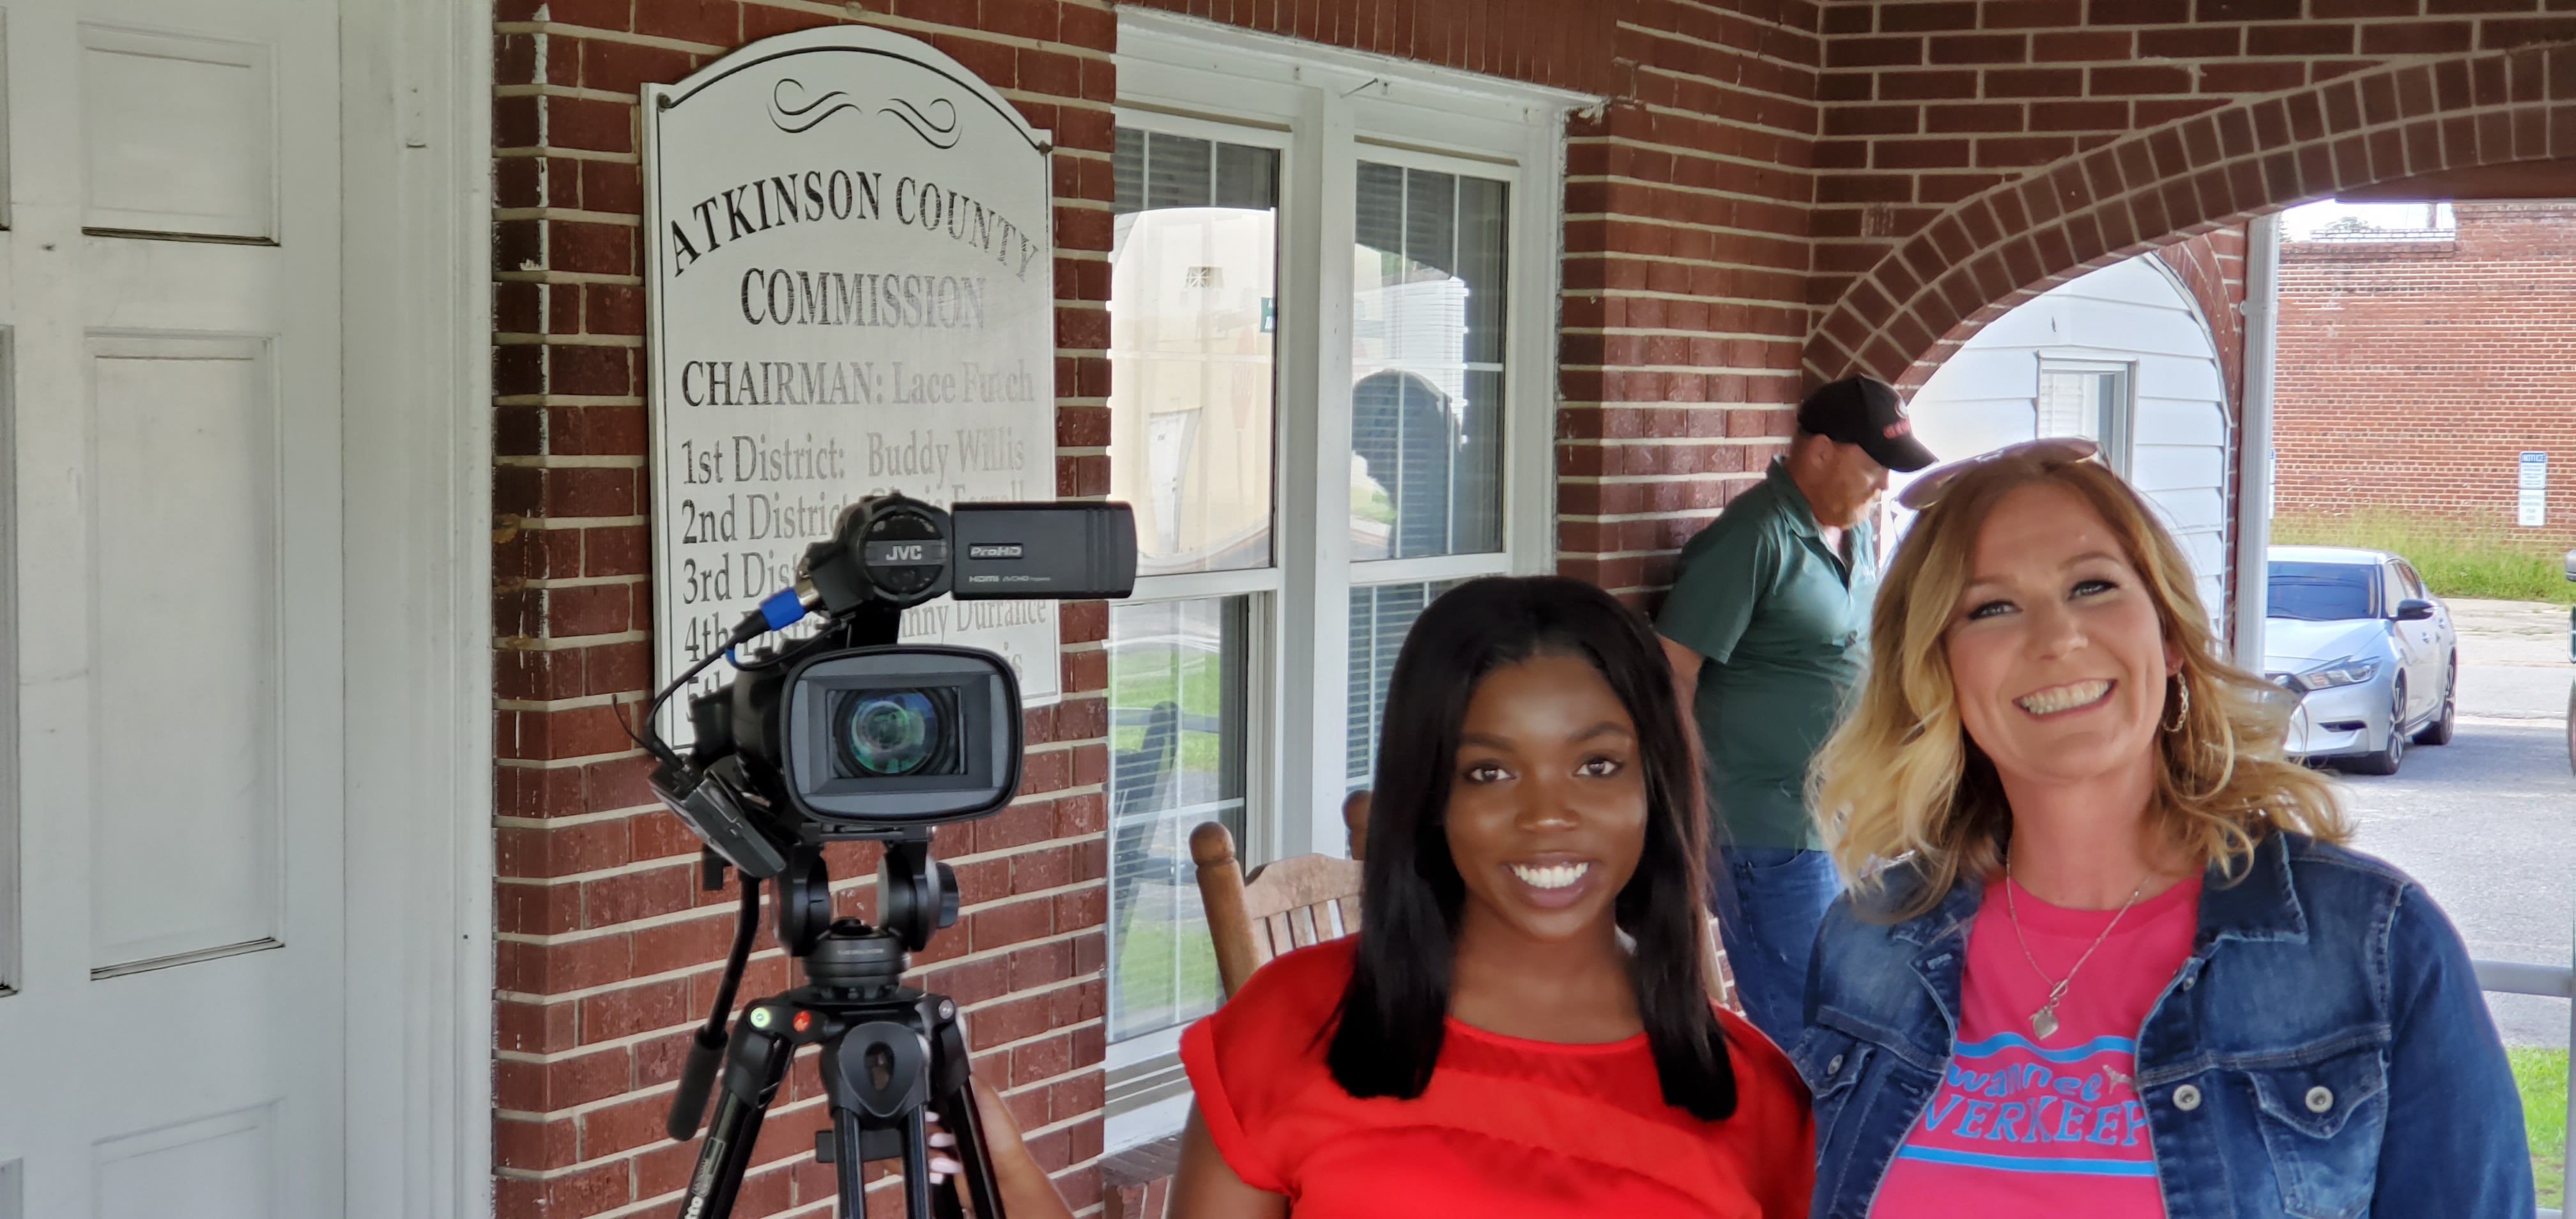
(171, 1041)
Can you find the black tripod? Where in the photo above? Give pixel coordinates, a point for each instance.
(888, 1050)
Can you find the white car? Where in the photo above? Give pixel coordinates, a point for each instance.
(2371, 655)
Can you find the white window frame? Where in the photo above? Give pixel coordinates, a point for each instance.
(1330, 109)
(2119, 435)
(12, 935)
(1327, 109)
(1150, 1062)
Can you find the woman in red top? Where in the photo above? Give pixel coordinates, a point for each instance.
(1522, 1026)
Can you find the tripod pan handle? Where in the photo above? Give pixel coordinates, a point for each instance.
(689, 1104)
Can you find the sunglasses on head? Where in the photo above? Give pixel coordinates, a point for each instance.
(2048, 450)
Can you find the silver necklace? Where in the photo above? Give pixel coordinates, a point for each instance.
(2044, 1021)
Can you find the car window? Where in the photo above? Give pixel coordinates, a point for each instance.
(2414, 583)
(2320, 592)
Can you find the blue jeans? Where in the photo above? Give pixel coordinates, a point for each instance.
(1769, 929)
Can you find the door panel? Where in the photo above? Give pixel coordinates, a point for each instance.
(185, 471)
(170, 294)
(220, 1166)
(178, 135)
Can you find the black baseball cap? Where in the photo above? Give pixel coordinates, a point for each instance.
(1866, 411)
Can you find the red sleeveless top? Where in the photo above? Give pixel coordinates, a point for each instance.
(1507, 1128)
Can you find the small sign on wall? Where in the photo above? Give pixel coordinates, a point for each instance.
(851, 290)
(2533, 508)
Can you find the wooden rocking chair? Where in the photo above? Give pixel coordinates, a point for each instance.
(1306, 900)
(1284, 905)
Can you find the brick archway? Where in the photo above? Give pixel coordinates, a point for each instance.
(1995, 250)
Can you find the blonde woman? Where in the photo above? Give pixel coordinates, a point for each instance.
(2105, 953)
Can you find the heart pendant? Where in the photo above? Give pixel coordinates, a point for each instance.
(2044, 1023)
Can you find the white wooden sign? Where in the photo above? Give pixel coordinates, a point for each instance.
(850, 290)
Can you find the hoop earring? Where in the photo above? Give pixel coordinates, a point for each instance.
(2182, 713)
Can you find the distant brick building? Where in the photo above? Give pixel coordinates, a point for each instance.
(2412, 374)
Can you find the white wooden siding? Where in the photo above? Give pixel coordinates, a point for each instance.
(2133, 313)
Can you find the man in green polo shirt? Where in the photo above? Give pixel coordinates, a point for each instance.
(1768, 630)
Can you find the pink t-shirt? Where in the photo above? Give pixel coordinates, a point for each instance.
(2030, 1127)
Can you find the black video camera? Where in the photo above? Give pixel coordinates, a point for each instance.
(849, 735)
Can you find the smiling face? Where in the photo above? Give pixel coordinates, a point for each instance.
(1547, 802)
(2058, 657)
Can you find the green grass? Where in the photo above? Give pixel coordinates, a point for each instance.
(1369, 503)
(1151, 982)
(1201, 752)
(1140, 677)
(2541, 1076)
(2456, 558)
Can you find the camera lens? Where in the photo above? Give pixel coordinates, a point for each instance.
(890, 733)
(883, 734)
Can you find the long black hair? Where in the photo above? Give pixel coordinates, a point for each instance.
(1390, 1024)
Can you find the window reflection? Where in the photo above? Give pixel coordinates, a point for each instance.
(1381, 616)
(1192, 325)
(1176, 705)
(1427, 362)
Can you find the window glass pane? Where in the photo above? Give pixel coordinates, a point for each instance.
(1127, 170)
(1176, 741)
(1179, 172)
(1427, 348)
(2318, 592)
(2090, 403)
(2070, 404)
(1247, 177)
(1192, 320)
(1480, 262)
(1381, 615)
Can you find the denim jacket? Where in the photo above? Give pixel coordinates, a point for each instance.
(2324, 1053)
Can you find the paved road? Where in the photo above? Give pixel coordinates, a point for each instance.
(2488, 822)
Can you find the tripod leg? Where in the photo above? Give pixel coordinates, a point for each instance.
(967, 1124)
(849, 1166)
(752, 1070)
(916, 1164)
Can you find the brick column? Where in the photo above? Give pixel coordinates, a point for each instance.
(1686, 280)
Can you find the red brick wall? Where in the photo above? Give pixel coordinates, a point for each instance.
(1686, 261)
(608, 950)
(2212, 266)
(2411, 376)
(1974, 153)
(1545, 42)
(1687, 208)
(2212, 269)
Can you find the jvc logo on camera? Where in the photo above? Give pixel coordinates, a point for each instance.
(994, 550)
(907, 552)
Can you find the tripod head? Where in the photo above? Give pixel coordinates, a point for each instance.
(916, 896)
(888, 1051)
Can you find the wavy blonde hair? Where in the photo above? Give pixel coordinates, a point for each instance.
(1901, 775)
